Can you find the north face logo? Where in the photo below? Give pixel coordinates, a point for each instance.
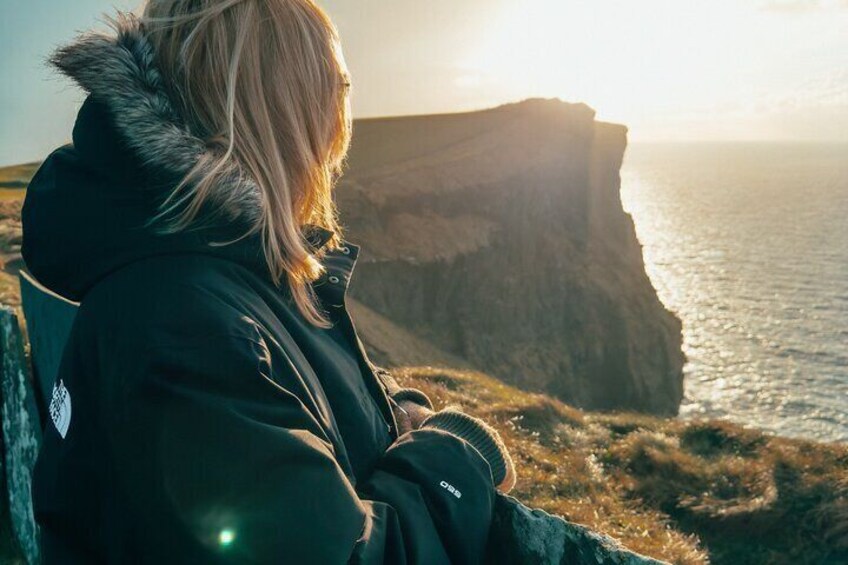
(60, 408)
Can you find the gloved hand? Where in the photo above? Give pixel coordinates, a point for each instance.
(482, 437)
(411, 415)
(411, 407)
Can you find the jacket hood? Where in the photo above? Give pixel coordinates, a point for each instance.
(86, 207)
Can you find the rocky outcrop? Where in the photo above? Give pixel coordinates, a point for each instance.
(524, 536)
(499, 237)
(20, 437)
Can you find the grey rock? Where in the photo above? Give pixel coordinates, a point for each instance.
(21, 435)
(521, 535)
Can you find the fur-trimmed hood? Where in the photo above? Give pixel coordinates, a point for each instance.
(120, 72)
(85, 208)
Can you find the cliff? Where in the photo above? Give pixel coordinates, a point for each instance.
(499, 237)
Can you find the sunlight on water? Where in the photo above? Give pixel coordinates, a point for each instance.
(748, 244)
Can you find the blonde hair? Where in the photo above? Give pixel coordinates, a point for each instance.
(265, 84)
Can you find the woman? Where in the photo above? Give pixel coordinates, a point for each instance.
(214, 403)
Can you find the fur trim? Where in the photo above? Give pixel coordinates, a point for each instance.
(120, 71)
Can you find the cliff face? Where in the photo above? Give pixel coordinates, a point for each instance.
(499, 237)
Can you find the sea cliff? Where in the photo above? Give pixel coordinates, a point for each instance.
(499, 237)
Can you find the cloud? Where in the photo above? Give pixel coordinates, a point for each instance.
(824, 91)
(803, 6)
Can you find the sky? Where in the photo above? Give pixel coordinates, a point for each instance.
(671, 70)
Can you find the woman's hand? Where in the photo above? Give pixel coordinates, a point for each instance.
(412, 407)
(409, 415)
(483, 437)
(417, 413)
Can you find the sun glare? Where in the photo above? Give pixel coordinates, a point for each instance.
(634, 61)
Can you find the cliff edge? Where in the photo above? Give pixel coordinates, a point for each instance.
(499, 237)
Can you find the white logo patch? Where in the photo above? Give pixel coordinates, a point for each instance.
(451, 489)
(60, 408)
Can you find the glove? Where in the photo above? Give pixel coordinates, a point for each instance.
(411, 407)
(483, 438)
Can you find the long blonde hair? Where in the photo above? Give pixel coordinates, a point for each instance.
(265, 84)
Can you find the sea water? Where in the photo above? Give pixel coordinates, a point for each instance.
(748, 244)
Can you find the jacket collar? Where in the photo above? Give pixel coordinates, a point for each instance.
(317, 236)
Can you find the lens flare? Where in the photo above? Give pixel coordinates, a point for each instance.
(226, 537)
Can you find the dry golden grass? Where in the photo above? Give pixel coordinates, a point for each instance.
(11, 201)
(686, 492)
(16, 176)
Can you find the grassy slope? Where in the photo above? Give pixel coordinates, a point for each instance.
(686, 492)
(11, 201)
(681, 491)
(17, 176)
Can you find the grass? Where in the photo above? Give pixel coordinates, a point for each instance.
(687, 492)
(16, 176)
(11, 201)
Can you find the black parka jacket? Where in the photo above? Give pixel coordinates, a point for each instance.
(197, 417)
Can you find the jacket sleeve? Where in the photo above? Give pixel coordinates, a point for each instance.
(219, 461)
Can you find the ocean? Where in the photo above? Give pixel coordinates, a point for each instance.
(748, 244)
